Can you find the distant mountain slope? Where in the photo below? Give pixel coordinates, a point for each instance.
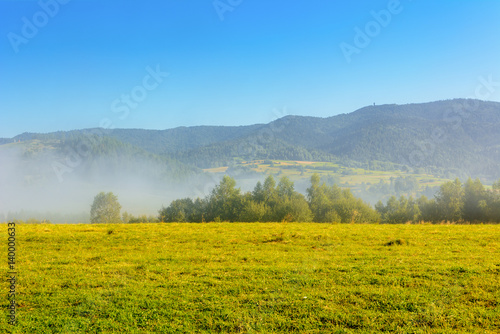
(181, 138)
(155, 141)
(252, 147)
(460, 135)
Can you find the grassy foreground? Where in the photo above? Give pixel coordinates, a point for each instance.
(252, 278)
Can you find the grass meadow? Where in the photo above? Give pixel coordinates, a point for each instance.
(355, 177)
(255, 278)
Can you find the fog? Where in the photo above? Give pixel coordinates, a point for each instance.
(47, 182)
(45, 186)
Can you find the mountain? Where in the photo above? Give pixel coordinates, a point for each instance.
(461, 136)
(457, 134)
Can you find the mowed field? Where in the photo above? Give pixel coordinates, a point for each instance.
(255, 278)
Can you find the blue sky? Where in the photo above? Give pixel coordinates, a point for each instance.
(86, 63)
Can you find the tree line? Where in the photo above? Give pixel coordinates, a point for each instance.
(275, 202)
(272, 202)
(469, 202)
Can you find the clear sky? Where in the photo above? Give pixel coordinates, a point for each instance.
(87, 63)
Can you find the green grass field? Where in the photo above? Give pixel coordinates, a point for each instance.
(255, 278)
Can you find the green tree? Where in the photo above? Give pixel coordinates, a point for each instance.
(450, 200)
(271, 200)
(105, 209)
(319, 203)
(399, 211)
(352, 209)
(269, 189)
(258, 193)
(180, 210)
(474, 203)
(252, 210)
(493, 207)
(289, 205)
(332, 204)
(199, 210)
(496, 186)
(285, 188)
(429, 211)
(297, 209)
(225, 201)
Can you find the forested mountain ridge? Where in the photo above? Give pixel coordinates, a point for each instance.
(461, 135)
(181, 138)
(155, 141)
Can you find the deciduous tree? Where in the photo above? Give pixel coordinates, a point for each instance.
(105, 209)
